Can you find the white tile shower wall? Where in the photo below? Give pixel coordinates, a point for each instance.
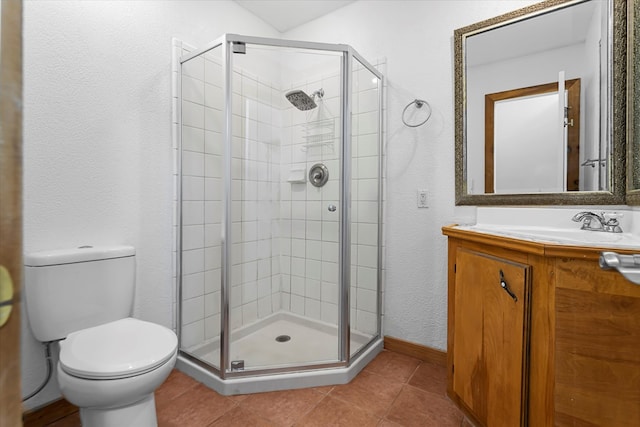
(309, 241)
(255, 280)
(309, 238)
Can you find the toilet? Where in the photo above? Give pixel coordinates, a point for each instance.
(110, 363)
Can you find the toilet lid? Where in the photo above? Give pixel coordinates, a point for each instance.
(119, 349)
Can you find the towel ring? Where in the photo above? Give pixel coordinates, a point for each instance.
(419, 103)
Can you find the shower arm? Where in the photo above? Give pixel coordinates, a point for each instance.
(319, 93)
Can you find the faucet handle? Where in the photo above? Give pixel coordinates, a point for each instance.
(611, 223)
(611, 218)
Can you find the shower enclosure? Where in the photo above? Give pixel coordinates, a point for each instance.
(280, 214)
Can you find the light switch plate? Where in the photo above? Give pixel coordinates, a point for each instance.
(423, 199)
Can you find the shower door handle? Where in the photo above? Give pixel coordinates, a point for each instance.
(331, 208)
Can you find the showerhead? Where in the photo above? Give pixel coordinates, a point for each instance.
(302, 101)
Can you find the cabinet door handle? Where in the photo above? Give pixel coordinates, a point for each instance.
(503, 285)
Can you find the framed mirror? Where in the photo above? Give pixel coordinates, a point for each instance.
(540, 99)
(633, 104)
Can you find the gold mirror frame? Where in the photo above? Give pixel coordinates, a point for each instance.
(618, 156)
(633, 102)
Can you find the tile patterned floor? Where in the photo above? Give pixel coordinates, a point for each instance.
(393, 390)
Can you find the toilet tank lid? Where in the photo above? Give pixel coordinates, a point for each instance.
(79, 254)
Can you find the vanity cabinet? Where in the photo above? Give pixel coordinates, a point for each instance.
(564, 350)
(492, 310)
(597, 347)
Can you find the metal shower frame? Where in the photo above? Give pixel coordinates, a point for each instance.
(226, 43)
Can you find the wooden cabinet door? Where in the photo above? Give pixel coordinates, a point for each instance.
(597, 347)
(491, 338)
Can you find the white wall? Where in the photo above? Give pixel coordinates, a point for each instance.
(97, 134)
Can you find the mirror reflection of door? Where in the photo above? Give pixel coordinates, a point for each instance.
(530, 145)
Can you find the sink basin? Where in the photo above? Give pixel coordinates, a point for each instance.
(555, 226)
(574, 237)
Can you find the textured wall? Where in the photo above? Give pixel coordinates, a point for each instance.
(97, 134)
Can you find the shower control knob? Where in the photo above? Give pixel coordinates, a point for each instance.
(332, 208)
(318, 175)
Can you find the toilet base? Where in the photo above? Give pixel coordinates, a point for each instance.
(139, 414)
(107, 403)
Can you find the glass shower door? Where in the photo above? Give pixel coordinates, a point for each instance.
(279, 206)
(285, 230)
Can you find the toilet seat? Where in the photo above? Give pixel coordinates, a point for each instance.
(120, 349)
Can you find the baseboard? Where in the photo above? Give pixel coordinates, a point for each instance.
(48, 414)
(418, 351)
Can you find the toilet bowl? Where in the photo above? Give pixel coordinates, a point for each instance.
(110, 364)
(111, 371)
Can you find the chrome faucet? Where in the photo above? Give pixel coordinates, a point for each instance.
(594, 222)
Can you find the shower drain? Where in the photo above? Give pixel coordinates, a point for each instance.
(283, 338)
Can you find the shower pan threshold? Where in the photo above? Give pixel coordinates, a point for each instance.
(259, 343)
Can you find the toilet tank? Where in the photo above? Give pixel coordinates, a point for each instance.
(72, 289)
